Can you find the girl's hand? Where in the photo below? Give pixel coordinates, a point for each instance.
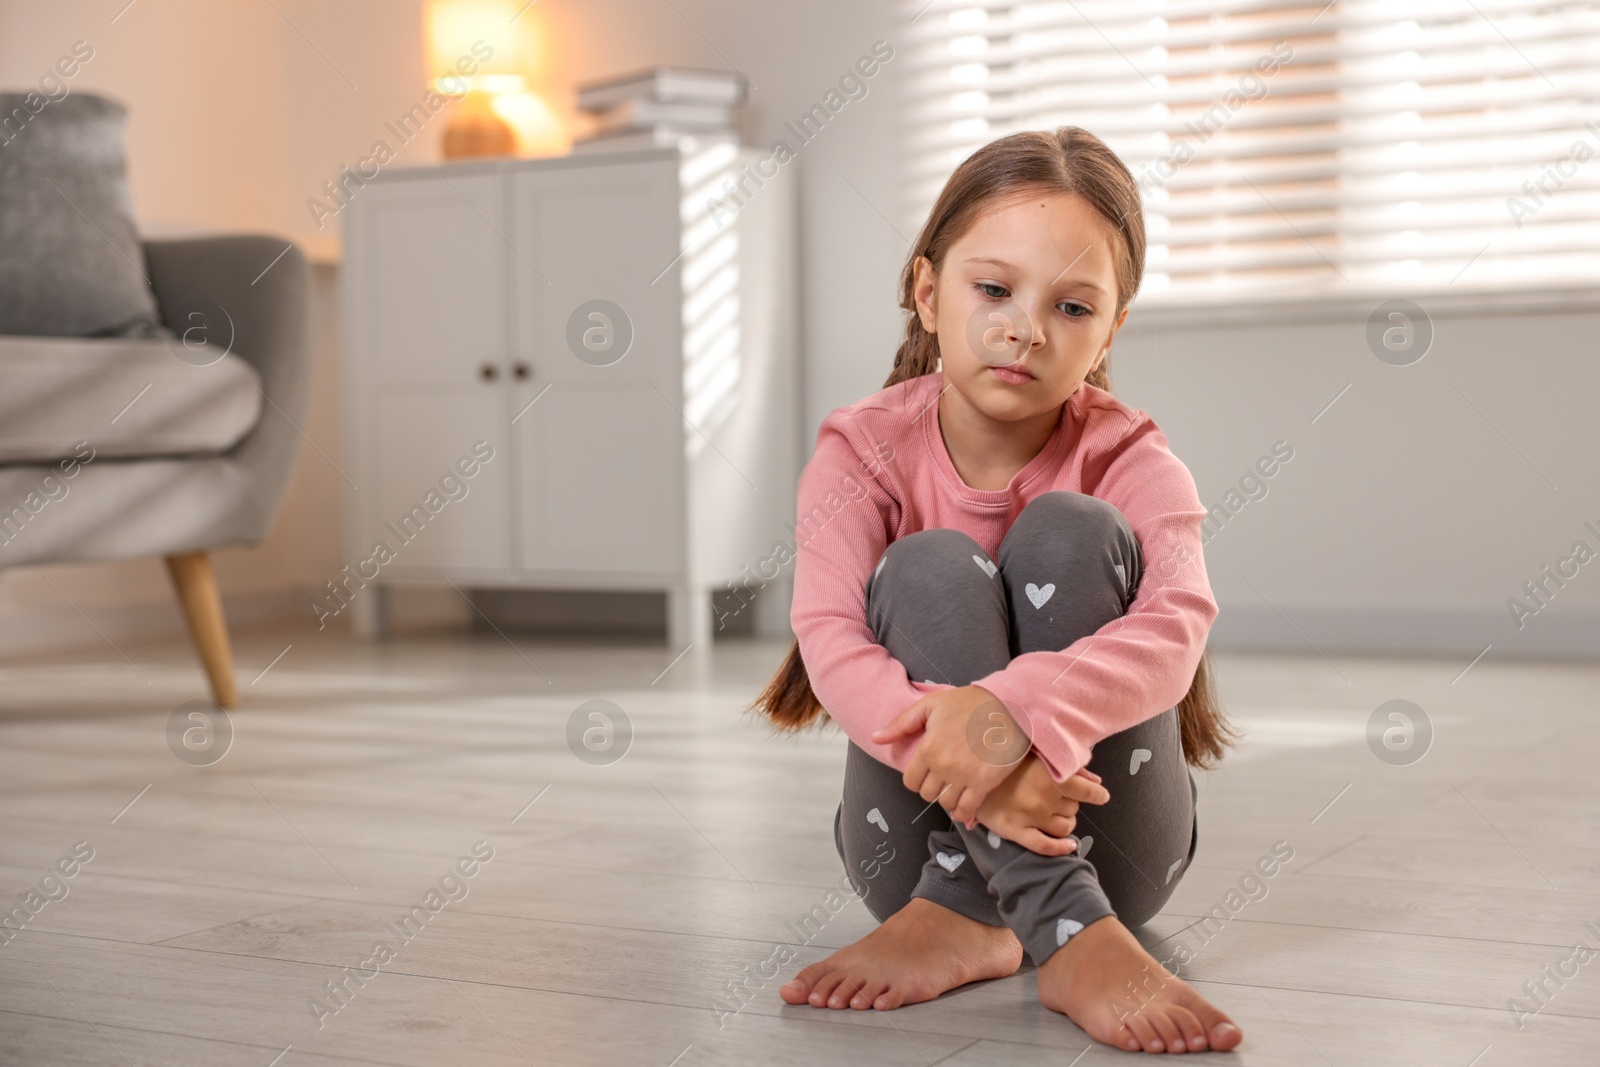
(970, 744)
(1037, 812)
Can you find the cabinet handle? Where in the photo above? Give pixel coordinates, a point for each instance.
(522, 371)
(489, 372)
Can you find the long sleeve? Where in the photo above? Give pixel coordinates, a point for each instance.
(845, 520)
(1142, 663)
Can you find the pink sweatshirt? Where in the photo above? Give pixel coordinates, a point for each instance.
(881, 471)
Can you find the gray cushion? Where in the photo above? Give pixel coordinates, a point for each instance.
(71, 264)
(60, 391)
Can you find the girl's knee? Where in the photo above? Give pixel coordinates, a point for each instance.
(934, 545)
(936, 559)
(1082, 515)
(1075, 535)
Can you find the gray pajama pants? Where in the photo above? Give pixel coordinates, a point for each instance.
(952, 614)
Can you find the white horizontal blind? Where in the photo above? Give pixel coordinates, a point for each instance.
(1287, 148)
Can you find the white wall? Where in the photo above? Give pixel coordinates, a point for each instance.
(1407, 517)
(1404, 518)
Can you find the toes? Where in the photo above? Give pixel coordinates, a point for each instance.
(808, 975)
(824, 988)
(842, 992)
(1225, 1035)
(1222, 1033)
(1194, 1035)
(1166, 1029)
(1143, 1035)
(799, 987)
(868, 995)
(846, 991)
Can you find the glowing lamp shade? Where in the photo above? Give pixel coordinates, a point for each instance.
(467, 29)
(473, 53)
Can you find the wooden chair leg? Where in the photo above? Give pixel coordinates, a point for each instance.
(202, 607)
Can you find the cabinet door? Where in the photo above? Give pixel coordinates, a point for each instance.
(600, 451)
(427, 270)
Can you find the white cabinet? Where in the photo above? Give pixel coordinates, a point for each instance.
(614, 336)
(602, 490)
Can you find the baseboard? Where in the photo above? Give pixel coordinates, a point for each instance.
(1369, 631)
(603, 612)
(1351, 631)
(43, 630)
(571, 611)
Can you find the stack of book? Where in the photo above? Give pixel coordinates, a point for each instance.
(661, 108)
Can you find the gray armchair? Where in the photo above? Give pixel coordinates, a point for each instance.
(118, 504)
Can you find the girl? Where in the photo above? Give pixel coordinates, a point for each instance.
(1000, 597)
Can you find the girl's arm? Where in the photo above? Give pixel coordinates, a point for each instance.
(1142, 663)
(845, 517)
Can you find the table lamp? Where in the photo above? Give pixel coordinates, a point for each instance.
(473, 55)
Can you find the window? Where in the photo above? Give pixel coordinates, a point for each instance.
(1289, 149)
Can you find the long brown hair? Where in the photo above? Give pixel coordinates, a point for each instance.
(1065, 160)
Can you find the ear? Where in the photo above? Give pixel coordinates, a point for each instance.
(1105, 350)
(924, 287)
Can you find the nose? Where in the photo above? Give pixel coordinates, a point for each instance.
(1028, 329)
(1001, 335)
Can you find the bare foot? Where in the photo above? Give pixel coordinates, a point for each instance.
(920, 951)
(1106, 982)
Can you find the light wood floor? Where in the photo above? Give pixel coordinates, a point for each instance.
(621, 903)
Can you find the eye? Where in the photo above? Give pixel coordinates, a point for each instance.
(1074, 311)
(991, 290)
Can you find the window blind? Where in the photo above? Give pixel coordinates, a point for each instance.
(1286, 148)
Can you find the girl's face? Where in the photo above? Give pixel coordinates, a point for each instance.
(1023, 305)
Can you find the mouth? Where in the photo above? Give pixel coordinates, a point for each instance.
(1012, 374)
